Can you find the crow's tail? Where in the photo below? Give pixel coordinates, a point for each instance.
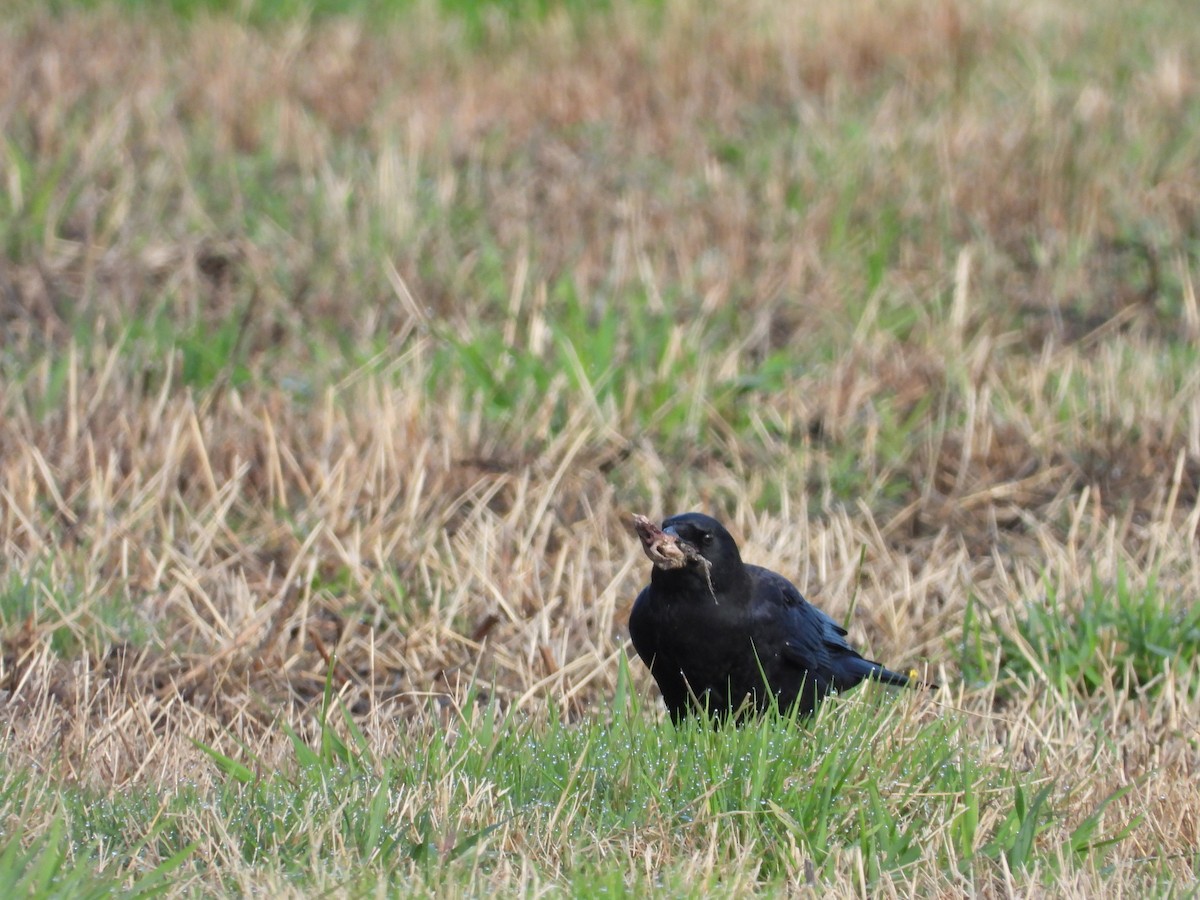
(887, 676)
(865, 668)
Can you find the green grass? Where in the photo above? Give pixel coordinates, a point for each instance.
(51, 867)
(1074, 644)
(477, 15)
(78, 616)
(796, 796)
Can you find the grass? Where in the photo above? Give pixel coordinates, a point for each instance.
(1142, 635)
(341, 341)
(877, 786)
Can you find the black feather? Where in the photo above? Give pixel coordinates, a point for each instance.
(723, 636)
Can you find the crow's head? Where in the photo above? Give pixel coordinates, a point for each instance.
(688, 540)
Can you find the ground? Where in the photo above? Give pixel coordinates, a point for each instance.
(340, 349)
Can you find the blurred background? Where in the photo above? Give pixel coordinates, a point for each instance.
(341, 340)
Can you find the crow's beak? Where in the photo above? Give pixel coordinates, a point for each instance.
(666, 549)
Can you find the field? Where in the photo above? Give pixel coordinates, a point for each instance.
(340, 343)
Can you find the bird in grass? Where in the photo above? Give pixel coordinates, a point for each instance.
(721, 637)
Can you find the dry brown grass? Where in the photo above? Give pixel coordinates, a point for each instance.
(204, 552)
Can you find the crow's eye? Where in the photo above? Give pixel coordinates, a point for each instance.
(706, 537)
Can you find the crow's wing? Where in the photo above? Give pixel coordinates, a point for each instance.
(639, 626)
(809, 639)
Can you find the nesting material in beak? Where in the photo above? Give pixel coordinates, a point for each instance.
(665, 550)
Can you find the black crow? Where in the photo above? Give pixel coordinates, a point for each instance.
(723, 637)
